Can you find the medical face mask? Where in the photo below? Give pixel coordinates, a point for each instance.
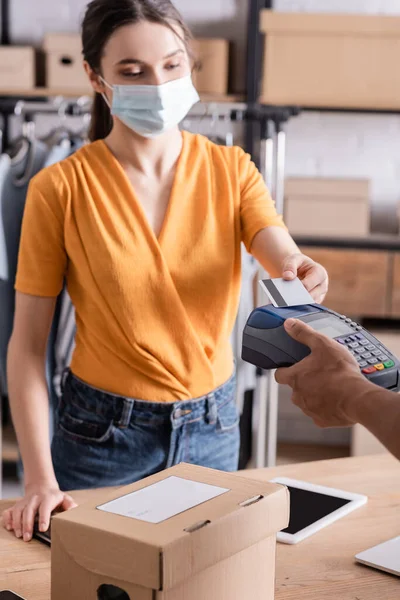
(151, 110)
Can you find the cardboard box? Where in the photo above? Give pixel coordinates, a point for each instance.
(328, 60)
(17, 68)
(64, 63)
(213, 74)
(178, 543)
(328, 207)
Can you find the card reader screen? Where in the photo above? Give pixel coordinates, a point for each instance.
(331, 327)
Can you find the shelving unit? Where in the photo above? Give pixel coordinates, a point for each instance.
(42, 93)
(258, 110)
(254, 70)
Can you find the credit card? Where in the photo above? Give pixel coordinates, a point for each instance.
(283, 293)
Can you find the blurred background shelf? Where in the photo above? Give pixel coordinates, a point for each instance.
(42, 93)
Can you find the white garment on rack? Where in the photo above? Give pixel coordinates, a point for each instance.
(24, 160)
(245, 373)
(5, 162)
(65, 341)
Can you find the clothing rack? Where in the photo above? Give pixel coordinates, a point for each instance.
(239, 112)
(262, 114)
(28, 110)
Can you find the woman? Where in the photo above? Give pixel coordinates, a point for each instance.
(145, 223)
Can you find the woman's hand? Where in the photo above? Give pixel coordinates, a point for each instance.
(39, 500)
(313, 275)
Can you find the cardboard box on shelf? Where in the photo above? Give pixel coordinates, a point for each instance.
(64, 69)
(64, 63)
(212, 77)
(187, 532)
(17, 68)
(328, 207)
(328, 60)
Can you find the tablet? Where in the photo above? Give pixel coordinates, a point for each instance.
(385, 557)
(313, 507)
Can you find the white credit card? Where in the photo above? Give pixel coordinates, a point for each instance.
(283, 293)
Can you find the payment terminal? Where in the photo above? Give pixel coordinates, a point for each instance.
(267, 345)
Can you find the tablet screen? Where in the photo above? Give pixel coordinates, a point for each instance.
(307, 507)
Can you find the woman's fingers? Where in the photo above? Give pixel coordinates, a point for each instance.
(28, 518)
(291, 265)
(7, 519)
(21, 517)
(68, 503)
(17, 520)
(48, 504)
(316, 277)
(313, 275)
(319, 293)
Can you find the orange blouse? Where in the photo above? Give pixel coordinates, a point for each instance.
(154, 315)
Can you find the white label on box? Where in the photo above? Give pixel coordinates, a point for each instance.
(163, 500)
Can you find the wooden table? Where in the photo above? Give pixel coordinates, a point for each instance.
(320, 568)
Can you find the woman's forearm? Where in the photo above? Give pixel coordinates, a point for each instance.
(29, 403)
(271, 247)
(378, 410)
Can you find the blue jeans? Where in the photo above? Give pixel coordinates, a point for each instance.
(105, 440)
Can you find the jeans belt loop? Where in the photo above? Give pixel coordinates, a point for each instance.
(211, 407)
(126, 415)
(64, 377)
(175, 415)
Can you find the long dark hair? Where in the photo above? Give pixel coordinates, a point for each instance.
(101, 20)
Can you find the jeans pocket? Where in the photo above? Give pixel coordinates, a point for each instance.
(83, 428)
(228, 417)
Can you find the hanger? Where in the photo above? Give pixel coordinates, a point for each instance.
(215, 134)
(82, 134)
(229, 137)
(60, 134)
(80, 108)
(24, 146)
